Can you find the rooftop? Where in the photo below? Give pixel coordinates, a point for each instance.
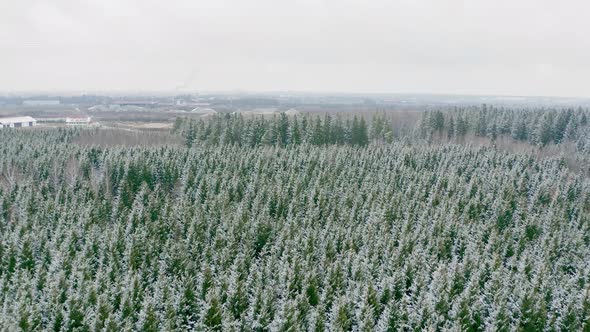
(17, 119)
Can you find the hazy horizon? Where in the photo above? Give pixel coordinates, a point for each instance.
(269, 93)
(491, 48)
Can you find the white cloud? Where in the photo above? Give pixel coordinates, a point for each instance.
(510, 47)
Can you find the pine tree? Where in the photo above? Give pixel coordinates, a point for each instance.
(544, 131)
(461, 127)
(283, 129)
(295, 133)
(451, 130)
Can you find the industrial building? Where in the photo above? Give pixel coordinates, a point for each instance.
(140, 103)
(18, 122)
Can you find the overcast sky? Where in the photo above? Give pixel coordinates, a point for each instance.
(510, 47)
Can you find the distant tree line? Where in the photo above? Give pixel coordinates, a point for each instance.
(535, 126)
(279, 130)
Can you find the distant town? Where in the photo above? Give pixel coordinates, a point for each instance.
(160, 111)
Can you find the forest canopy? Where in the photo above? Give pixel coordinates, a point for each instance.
(322, 223)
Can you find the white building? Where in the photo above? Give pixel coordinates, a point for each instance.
(17, 122)
(41, 102)
(204, 111)
(80, 121)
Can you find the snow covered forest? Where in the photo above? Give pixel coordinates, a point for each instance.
(317, 223)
